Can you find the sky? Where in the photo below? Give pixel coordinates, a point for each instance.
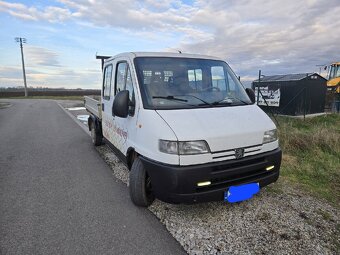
(64, 36)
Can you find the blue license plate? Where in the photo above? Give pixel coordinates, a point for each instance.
(241, 192)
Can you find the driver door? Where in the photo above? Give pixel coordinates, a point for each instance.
(119, 130)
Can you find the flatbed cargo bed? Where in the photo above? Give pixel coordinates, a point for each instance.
(93, 106)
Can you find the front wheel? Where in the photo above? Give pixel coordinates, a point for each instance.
(140, 185)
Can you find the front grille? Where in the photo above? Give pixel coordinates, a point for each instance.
(230, 154)
(235, 172)
(234, 164)
(220, 183)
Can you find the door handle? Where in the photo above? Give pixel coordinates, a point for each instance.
(102, 106)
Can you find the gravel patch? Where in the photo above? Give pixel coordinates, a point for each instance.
(118, 168)
(281, 219)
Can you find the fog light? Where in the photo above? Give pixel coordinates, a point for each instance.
(269, 168)
(201, 184)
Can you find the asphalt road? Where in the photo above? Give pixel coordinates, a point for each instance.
(57, 195)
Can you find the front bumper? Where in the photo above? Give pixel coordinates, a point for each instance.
(178, 184)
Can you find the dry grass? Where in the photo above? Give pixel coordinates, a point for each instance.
(311, 154)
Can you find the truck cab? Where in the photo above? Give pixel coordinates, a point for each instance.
(333, 82)
(185, 127)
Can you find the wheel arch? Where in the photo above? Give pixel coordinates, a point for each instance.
(131, 154)
(89, 122)
(96, 121)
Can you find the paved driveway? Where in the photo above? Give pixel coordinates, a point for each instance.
(57, 195)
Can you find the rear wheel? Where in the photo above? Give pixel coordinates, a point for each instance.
(140, 185)
(95, 135)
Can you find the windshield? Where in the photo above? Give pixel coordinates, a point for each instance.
(178, 83)
(334, 71)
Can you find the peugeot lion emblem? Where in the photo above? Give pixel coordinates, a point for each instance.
(239, 153)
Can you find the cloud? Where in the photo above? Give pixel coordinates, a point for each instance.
(55, 78)
(150, 16)
(278, 37)
(49, 13)
(11, 76)
(160, 18)
(275, 36)
(38, 56)
(10, 72)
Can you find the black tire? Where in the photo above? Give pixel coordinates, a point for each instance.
(140, 185)
(95, 135)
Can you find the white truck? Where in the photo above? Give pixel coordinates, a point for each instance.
(185, 127)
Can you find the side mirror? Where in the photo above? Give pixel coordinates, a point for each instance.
(120, 105)
(251, 95)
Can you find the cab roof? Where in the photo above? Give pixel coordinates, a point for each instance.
(133, 55)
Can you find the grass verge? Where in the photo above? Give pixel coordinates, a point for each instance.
(311, 154)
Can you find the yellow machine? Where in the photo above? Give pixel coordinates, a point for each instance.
(333, 83)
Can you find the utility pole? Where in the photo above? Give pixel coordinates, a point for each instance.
(21, 41)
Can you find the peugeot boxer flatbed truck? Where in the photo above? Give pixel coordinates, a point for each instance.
(185, 127)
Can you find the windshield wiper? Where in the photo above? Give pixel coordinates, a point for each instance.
(171, 98)
(200, 99)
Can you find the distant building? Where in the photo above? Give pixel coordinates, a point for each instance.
(291, 94)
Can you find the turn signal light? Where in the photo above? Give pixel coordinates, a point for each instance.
(201, 184)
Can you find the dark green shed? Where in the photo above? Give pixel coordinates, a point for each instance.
(291, 94)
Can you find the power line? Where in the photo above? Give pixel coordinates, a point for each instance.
(21, 41)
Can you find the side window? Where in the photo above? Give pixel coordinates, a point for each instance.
(124, 82)
(129, 85)
(107, 82)
(120, 77)
(218, 78)
(195, 79)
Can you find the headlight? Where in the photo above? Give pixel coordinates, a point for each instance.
(183, 148)
(270, 136)
(170, 147)
(193, 147)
